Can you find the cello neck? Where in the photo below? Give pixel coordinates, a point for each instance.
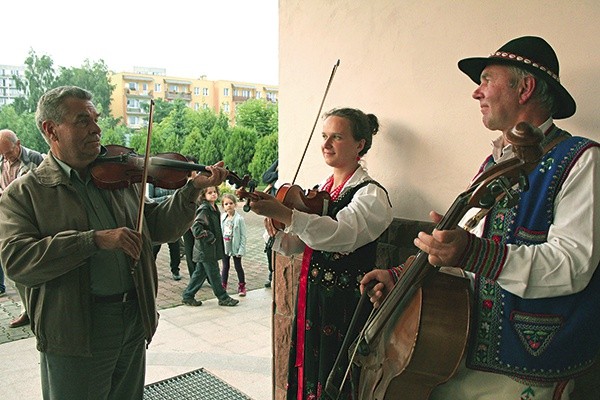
(414, 275)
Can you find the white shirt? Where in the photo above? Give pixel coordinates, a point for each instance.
(566, 262)
(366, 217)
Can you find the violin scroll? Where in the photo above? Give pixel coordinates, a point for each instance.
(526, 141)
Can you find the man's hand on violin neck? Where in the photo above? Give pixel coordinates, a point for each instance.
(213, 176)
(124, 239)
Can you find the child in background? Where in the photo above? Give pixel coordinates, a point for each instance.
(234, 239)
(208, 249)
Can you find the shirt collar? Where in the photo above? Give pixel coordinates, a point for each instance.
(71, 173)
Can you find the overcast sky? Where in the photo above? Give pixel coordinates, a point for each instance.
(222, 39)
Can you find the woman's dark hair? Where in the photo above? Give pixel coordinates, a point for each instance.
(363, 126)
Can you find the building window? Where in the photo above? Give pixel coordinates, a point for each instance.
(258, 95)
(226, 107)
(196, 91)
(245, 93)
(133, 86)
(196, 106)
(145, 88)
(226, 92)
(235, 93)
(174, 88)
(157, 87)
(205, 91)
(133, 121)
(205, 106)
(133, 103)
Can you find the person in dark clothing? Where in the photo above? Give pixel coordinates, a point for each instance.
(208, 249)
(159, 195)
(270, 178)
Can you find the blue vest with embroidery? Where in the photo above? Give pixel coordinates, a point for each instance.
(535, 340)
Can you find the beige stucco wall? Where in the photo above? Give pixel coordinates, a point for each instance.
(398, 60)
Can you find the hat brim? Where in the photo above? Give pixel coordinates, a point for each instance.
(565, 106)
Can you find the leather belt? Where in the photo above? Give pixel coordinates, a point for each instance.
(116, 298)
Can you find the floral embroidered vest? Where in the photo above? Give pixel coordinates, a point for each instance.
(536, 341)
(343, 271)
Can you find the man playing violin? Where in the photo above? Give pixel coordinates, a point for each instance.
(90, 277)
(535, 316)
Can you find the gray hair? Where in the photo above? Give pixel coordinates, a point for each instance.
(542, 93)
(363, 126)
(9, 136)
(51, 104)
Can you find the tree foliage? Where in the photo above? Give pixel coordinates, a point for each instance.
(250, 146)
(240, 148)
(92, 76)
(264, 156)
(257, 114)
(39, 77)
(24, 126)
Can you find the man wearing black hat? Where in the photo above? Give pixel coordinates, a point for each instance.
(535, 313)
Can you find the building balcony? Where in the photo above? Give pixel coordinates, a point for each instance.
(169, 95)
(240, 99)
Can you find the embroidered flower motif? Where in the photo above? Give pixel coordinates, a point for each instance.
(487, 304)
(546, 165)
(314, 272)
(328, 276)
(528, 393)
(344, 279)
(328, 330)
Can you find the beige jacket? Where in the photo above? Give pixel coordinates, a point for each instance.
(45, 242)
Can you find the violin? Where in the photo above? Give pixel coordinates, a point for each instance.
(310, 201)
(119, 167)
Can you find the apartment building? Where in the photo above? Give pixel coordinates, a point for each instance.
(8, 86)
(134, 89)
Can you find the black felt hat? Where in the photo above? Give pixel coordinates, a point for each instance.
(533, 54)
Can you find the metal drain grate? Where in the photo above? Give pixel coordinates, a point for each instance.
(195, 385)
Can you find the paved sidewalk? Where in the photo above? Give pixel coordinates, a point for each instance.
(233, 343)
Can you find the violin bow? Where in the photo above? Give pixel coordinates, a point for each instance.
(140, 217)
(335, 66)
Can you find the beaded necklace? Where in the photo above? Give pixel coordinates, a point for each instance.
(334, 194)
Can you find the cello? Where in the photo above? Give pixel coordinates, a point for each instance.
(416, 339)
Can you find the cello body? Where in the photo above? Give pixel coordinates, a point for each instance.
(435, 324)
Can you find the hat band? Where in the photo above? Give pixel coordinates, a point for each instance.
(514, 57)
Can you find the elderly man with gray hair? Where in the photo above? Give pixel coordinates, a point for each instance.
(15, 161)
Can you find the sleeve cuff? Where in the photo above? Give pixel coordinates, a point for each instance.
(484, 257)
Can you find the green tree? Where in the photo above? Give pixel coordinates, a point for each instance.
(113, 132)
(24, 126)
(264, 156)
(257, 114)
(162, 109)
(92, 76)
(39, 76)
(240, 149)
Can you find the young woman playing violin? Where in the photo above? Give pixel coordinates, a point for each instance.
(339, 248)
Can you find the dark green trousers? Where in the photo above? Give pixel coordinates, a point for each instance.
(116, 369)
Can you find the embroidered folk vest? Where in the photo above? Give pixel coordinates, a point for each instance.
(344, 271)
(536, 341)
